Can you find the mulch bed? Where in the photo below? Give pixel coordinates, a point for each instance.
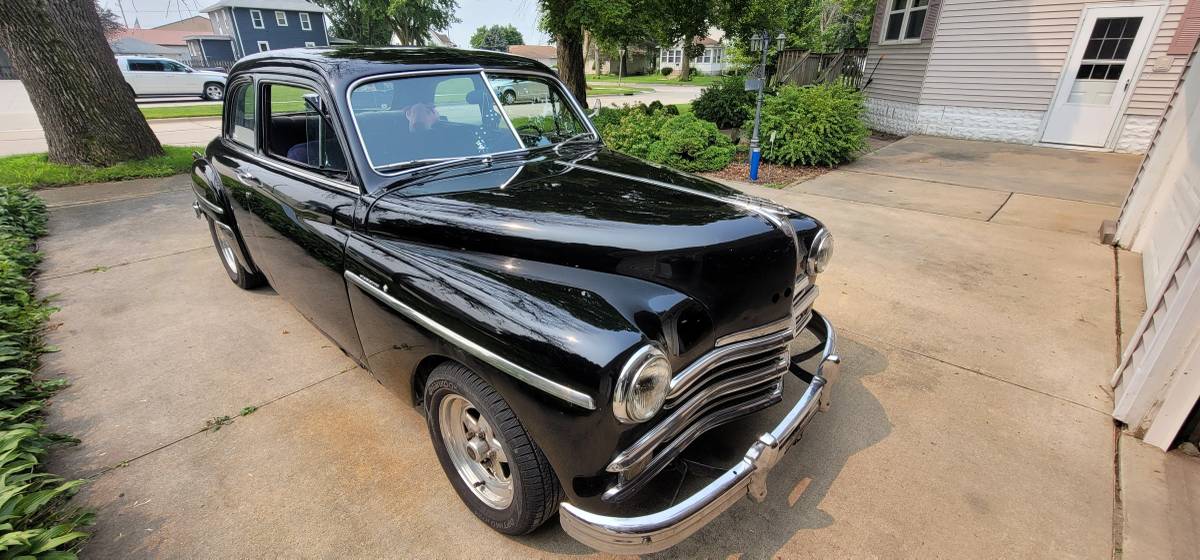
(770, 175)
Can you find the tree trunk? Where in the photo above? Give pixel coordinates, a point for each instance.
(685, 62)
(86, 109)
(570, 63)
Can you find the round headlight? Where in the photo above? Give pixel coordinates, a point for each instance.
(642, 386)
(820, 252)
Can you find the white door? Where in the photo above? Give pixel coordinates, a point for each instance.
(1105, 59)
(180, 79)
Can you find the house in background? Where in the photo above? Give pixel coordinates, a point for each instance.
(638, 61)
(1065, 73)
(711, 62)
(132, 46)
(171, 41)
(546, 54)
(195, 24)
(250, 26)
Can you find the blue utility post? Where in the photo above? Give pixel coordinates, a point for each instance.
(759, 41)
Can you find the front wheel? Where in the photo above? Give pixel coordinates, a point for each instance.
(224, 242)
(509, 97)
(492, 462)
(214, 91)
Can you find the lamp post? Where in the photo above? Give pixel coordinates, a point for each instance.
(760, 42)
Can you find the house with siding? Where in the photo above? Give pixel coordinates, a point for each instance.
(1075, 74)
(250, 26)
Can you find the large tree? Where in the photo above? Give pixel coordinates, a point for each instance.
(680, 22)
(86, 109)
(363, 21)
(485, 37)
(414, 21)
(564, 20)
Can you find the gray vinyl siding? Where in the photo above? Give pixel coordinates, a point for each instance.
(1008, 54)
(898, 77)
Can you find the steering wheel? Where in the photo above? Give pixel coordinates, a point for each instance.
(536, 134)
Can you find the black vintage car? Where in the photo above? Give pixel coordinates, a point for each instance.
(573, 321)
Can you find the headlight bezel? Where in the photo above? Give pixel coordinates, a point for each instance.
(647, 361)
(819, 253)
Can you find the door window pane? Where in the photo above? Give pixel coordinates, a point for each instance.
(538, 111)
(299, 133)
(241, 114)
(145, 65)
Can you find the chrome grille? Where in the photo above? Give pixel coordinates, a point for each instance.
(727, 383)
(804, 294)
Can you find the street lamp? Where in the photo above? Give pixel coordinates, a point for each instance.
(759, 42)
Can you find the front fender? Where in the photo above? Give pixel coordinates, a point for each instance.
(573, 327)
(213, 201)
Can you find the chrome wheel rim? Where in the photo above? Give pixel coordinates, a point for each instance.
(227, 253)
(214, 92)
(476, 451)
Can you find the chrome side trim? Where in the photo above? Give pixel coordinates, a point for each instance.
(663, 529)
(754, 332)
(537, 381)
(696, 370)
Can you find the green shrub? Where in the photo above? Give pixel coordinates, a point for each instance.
(608, 117)
(726, 103)
(666, 70)
(813, 125)
(35, 521)
(681, 141)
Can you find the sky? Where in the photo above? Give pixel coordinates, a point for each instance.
(522, 14)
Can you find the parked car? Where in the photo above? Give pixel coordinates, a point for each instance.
(519, 91)
(150, 76)
(570, 319)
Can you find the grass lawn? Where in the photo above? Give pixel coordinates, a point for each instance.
(33, 170)
(175, 111)
(684, 108)
(658, 79)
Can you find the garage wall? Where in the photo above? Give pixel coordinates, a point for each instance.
(1158, 381)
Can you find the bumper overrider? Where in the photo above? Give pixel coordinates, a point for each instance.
(663, 529)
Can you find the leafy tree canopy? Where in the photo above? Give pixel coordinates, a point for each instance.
(363, 21)
(414, 21)
(496, 37)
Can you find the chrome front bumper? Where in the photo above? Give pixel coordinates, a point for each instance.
(661, 530)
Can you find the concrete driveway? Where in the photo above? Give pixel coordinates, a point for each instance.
(971, 419)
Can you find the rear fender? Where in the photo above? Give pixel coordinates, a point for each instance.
(212, 201)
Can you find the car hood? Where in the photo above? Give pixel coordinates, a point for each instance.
(617, 215)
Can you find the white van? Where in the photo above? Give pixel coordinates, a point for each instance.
(151, 76)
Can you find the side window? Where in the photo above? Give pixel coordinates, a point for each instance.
(241, 114)
(143, 65)
(537, 110)
(298, 133)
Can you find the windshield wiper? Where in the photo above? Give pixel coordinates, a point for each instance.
(423, 163)
(574, 138)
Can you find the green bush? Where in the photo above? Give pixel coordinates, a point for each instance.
(681, 141)
(812, 125)
(666, 70)
(35, 521)
(726, 103)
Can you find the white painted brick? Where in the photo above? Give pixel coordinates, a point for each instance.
(893, 117)
(973, 123)
(1136, 134)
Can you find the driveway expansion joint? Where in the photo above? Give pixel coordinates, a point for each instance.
(105, 268)
(207, 429)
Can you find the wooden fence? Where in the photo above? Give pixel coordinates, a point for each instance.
(800, 67)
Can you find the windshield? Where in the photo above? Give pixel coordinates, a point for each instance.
(411, 122)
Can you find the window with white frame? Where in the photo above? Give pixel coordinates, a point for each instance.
(264, 46)
(256, 19)
(281, 18)
(305, 22)
(905, 20)
(309, 44)
(672, 56)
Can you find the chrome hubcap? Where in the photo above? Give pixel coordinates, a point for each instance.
(476, 451)
(227, 253)
(214, 92)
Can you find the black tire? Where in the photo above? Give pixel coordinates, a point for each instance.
(536, 492)
(509, 97)
(244, 279)
(213, 91)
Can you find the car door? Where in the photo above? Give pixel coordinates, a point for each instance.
(181, 80)
(303, 201)
(145, 75)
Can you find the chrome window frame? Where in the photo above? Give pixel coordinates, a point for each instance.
(227, 124)
(483, 72)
